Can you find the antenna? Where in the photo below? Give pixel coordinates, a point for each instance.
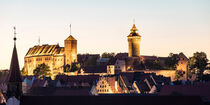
(39, 40)
(133, 21)
(15, 35)
(70, 29)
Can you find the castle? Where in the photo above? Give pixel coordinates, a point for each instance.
(57, 57)
(134, 39)
(54, 56)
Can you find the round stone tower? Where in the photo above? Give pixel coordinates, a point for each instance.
(134, 43)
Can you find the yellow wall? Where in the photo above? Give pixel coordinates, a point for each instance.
(165, 73)
(134, 46)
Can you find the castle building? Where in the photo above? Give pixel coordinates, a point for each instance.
(54, 56)
(134, 42)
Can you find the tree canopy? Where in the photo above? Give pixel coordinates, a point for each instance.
(172, 61)
(179, 74)
(75, 67)
(72, 68)
(155, 65)
(108, 55)
(24, 72)
(42, 70)
(197, 64)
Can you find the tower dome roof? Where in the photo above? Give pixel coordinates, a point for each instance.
(133, 31)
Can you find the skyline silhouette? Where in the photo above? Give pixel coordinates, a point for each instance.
(165, 26)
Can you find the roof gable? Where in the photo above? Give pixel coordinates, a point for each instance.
(70, 38)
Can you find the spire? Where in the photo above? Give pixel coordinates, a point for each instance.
(134, 29)
(14, 72)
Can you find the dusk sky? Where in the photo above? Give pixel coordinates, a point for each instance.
(103, 26)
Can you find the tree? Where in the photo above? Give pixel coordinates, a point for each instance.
(42, 70)
(155, 64)
(172, 61)
(24, 72)
(179, 74)
(72, 68)
(108, 55)
(67, 68)
(75, 67)
(197, 64)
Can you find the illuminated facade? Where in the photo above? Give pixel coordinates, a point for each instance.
(134, 43)
(108, 85)
(54, 56)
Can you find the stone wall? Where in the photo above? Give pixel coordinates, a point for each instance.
(165, 73)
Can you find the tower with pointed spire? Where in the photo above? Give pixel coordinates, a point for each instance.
(14, 81)
(134, 42)
(70, 49)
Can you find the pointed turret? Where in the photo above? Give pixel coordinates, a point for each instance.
(134, 31)
(14, 81)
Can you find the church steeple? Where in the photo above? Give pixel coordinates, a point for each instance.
(14, 73)
(14, 81)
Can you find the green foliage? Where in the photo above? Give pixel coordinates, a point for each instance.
(42, 70)
(67, 68)
(156, 65)
(74, 67)
(197, 64)
(172, 61)
(108, 55)
(179, 74)
(24, 72)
